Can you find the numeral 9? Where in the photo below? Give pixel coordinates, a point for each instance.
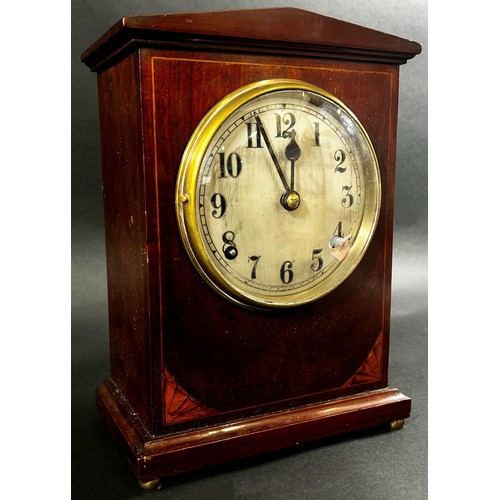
(219, 203)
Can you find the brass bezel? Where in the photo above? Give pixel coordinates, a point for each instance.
(187, 214)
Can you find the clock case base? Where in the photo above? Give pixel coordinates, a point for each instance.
(152, 457)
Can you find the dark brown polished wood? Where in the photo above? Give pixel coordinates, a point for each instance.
(152, 456)
(195, 379)
(280, 30)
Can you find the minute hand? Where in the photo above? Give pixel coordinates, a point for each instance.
(273, 155)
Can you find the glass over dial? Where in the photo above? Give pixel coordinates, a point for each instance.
(278, 194)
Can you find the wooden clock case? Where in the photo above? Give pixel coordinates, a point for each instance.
(197, 380)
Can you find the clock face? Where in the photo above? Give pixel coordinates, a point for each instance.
(278, 194)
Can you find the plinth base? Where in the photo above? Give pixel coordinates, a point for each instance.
(154, 457)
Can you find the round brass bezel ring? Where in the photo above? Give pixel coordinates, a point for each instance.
(187, 216)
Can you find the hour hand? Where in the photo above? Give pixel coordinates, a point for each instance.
(292, 153)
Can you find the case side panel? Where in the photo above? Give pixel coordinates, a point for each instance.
(390, 173)
(125, 220)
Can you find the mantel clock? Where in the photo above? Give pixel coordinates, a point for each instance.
(248, 176)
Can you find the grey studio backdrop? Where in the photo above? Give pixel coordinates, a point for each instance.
(367, 465)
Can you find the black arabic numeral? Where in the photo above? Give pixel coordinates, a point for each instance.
(317, 260)
(339, 157)
(316, 134)
(338, 230)
(232, 166)
(286, 273)
(288, 120)
(255, 260)
(229, 248)
(219, 203)
(253, 132)
(337, 238)
(349, 198)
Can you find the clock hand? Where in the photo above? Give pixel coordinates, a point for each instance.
(290, 199)
(292, 153)
(263, 133)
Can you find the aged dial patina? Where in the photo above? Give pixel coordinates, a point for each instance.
(278, 194)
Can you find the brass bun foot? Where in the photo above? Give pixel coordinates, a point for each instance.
(149, 485)
(395, 425)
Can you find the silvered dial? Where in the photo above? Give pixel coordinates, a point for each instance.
(278, 193)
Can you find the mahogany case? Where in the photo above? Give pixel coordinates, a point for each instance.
(196, 379)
